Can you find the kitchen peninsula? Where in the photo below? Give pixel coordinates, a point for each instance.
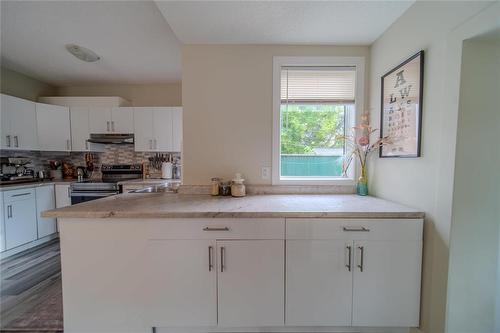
(179, 262)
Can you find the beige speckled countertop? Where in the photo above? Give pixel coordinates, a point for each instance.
(168, 205)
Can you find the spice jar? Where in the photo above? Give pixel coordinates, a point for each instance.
(237, 187)
(225, 188)
(215, 186)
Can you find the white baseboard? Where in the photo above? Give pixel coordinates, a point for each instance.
(27, 246)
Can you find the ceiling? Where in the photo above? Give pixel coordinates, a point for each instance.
(135, 43)
(140, 41)
(281, 22)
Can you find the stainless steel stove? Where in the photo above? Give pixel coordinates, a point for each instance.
(111, 175)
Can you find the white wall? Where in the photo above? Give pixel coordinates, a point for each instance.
(427, 182)
(474, 240)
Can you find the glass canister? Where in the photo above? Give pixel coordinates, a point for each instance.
(225, 188)
(237, 187)
(215, 186)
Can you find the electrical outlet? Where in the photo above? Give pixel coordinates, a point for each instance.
(266, 173)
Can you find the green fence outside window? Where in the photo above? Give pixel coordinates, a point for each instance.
(311, 165)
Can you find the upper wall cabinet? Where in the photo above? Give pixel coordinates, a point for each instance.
(111, 120)
(158, 129)
(18, 124)
(53, 123)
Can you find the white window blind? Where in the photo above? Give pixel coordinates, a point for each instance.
(318, 84)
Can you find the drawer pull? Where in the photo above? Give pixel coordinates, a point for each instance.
(216, 229)
(355, 229)
(222, 259)
(20, 194)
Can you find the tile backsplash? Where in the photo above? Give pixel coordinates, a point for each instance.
(112, 154)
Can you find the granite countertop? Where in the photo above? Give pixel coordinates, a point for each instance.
(168, 205)
(9, 187)
(148, 181)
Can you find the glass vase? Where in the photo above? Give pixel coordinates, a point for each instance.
(362, 185)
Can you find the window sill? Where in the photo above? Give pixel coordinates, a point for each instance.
(314, 181)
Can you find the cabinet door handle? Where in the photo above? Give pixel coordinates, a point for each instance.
(86, 145)
(361, 257)
(67, 144)
(355, 229)
(150, 144)
(216, 229)
(8, 141)
(107, 126)
(20, 194)
(112, 126)
(210, 262)
(222, 259)
(9, 211)
(349, 250)
(156, 146)
(69, 192)
(16, 140)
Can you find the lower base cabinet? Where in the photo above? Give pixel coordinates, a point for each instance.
(45, 200)
(20, 217)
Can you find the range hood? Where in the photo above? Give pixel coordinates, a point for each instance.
(115, 138)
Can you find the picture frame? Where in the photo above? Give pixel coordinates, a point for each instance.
(401, 108)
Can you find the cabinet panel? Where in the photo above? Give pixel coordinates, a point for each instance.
(63, 198)
(53, 123)
(177, 129)
(99, 120)
(386, 290)
(250, 283)
(20, 217)
(122, 120)
(79, 128)
(318, 283)
(7, 104)
(182, 283)
(23, 126)
(45, 200)
(143, 129)
(162, 129)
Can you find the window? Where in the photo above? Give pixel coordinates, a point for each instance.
(315, 101)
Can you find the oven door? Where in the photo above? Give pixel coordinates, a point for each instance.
(84, 196)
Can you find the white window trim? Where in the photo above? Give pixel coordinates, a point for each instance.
(278, 62)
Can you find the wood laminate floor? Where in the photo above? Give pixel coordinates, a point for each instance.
(30, 290)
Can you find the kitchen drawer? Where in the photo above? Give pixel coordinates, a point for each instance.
(244, 228)
(20, 194)
(355, 229)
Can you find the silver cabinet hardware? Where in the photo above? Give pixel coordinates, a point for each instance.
(86, 145)
(349, 249)
(150, 144)
(16, 140)
(69, 192)
(20, 194)
(156, 144)
(112, 126)
(222, 255)
(361, 258)
(8, 140)
(67, 144)
(210, 254)
(9, 211)
(355, 229)
(107, 126)
(216, 229)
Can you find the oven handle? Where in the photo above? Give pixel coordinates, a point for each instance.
(92, 194)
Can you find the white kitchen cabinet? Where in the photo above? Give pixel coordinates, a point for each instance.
(111, 120)
(80, 129)
(2, 225)
(122, 120)
(385, 269)
(182, 283)
(318, 282)
(53, 125)
(100, 120)
(63, 197)
(19, 217)
(45, 200)
(19, 127)
(386, 283)
(154, 129)
(250, 283)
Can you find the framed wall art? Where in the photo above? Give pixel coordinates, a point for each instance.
(401, 109)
